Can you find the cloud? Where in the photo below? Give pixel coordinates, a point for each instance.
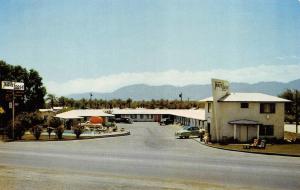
(290, 57)
(283, 73)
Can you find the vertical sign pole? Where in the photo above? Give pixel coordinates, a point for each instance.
(297, 114)
(13, 113)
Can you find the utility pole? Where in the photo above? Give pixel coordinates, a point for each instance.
(91, 96)
(180, 96)
(297, 111)
(13, 113)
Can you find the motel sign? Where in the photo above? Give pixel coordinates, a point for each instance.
(9, 85)
(14, 87)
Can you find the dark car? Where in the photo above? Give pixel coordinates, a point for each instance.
(123, 120)
(166, 121)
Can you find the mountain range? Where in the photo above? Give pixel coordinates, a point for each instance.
(192, 92)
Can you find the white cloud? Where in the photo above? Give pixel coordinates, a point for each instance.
(109, 83)
(290, 57)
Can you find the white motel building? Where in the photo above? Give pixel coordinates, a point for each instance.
(243, 116)
(239, 116)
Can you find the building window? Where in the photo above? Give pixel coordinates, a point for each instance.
(141, 116)
(266, 130)
(133, 116)
(209, 107)
(267, 108)
(244, 105)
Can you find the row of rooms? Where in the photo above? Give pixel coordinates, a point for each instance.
(158, 117)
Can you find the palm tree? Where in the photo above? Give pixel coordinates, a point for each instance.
(52, 98)
(128, 102)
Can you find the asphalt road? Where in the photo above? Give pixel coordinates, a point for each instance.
(149, 158)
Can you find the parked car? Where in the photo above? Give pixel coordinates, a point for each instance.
(188, 131)
(166, 121)
(124, 120)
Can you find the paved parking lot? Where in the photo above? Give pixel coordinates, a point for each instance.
(150, 158)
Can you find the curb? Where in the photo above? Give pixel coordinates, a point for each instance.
(114, 135)
(87, 138)
(264, 153)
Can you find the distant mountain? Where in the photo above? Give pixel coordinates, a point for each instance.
(193, 92)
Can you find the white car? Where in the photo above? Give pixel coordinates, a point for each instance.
(188, 131)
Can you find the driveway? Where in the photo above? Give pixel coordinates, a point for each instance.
(149, 158)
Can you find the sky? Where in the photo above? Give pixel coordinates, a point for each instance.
(97, 45)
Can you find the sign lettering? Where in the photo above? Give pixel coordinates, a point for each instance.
(19, 86)
(9, 85)
(222, 85)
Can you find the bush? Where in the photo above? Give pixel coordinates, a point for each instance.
(78, 130)
(36, 131)
(49, 131)
(18, 131)
(59, 131)
(23, 122)
(36, 119)
(56, 124)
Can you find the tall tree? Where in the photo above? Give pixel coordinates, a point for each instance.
(33, 97)
(128, 102)
(52, 100)
(291, 109)
(62, 101)
(34, 92)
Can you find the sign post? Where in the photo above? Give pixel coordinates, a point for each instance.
(11, 85)
(220, 88)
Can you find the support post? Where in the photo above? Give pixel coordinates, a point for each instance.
(13, 113)
(296, 114)
(257, 131)
(234, 131)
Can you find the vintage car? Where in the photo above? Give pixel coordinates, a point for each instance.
(188, 131)
(124, 120)
(166, 121)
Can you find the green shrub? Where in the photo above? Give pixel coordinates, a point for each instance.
(59, 131)
(56, 124)
(23, 122)
(49, 131)
(78, 130)
(37, 131)
(18, 130)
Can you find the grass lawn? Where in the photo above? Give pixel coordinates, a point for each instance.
(293, 149)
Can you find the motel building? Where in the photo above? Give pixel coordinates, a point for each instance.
(227, 115)
(242, 116)
(193, 117)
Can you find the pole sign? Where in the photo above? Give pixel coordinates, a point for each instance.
(9, 85)
(14, 87)
(19, 86)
